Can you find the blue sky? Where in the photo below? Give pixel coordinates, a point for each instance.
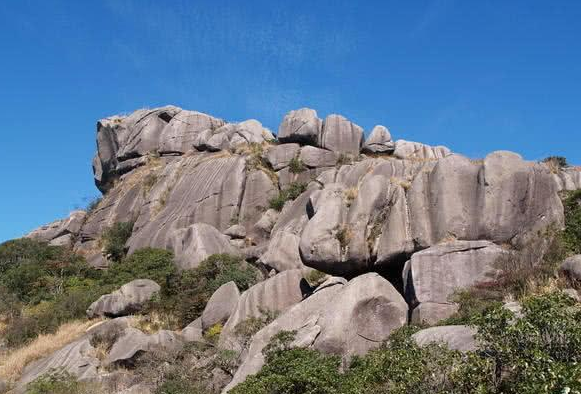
(476, 76)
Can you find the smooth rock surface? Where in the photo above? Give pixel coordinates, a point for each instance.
(379, 141)
(130, 298)
(433, 275)
(279, 156)
(341, 135)
(346, 319)
(572, 267)
(301, 126)
(220, 305)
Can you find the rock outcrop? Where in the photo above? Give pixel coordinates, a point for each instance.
(60, 232)
(129, 299)
(572, 267)
(366, 310)
(221, 305)
(379, 141)
(461, 338)
(432, 276)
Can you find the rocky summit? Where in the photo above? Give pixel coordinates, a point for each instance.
(339, 239)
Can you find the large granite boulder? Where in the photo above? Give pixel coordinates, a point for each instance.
(133, 342)
(314, 157)
(129, 299)
(280, 156)
(301, 126)
(344, 319)
(341, 135)
(273, 295)
(461, 338)
(568, 178)
(220, 305)
(379, 141)
(433, 275)
(194, 244)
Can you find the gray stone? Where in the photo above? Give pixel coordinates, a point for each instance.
(415, 150)
(60, 231)
(267, 221)
(573, 294)
(341, 136)
(316, 157)
(78, 358)
(130, 298)
(196, 243)
(220, 305)
(273, 295)
(301, 126)
(279, 156)
(134, 342)
(433, 275)
(461, 338)
(572, 267)
(568, 178)
(260, 188)
(193, 332)
(236, 231)
(283, 249)
(379, 141)
(342, 319)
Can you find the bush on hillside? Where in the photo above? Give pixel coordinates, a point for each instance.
(185, 294)
(556, 161)
(294, 190)
(60, 382)
(114, 239)
(148, 263)
(572, 233)
(537, 353)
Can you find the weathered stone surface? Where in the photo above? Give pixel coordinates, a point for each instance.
(273, 295)
(220, 305)
(283, 249)
(133, 342)
(342, 319)
(130, 298)
(193, 332)
(341, 135)
(60, 229)
(379, 141)
(316, 157)
(461, 338)
(433, 275)
(78, 358)
(572, 267)
(259, 189)
(574, 294)
(267, 221)
(502, 199)
(236, 232)
(301, 126)
(279, 156)
(196, 243)
(415, 150)
(324, 240)
(568, 178)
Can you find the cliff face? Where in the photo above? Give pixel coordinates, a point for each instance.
(429, 221)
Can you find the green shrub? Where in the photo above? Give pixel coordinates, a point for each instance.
(294, 190)
(572, 233)
(17, 250)
(59, 382)
(185, 294)
(556, 161)
(246, 329)
(114, 239)
(296, 166)
(148, 263)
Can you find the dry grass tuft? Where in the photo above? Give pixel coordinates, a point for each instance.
(351, 195)
(12, 365)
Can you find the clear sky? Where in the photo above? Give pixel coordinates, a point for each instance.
(476, 76)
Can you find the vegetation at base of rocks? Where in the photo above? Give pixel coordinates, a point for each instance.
(572, 232)
(539, 352)
(246, 329)
(148, 182)
(315, 277)
(293, 190)
(556, 163)
(184, 294)
(188, 371)
(43, 286)
(114, 239)
(296, 166)
(213, 333)
(60, 382)
(13, 362)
